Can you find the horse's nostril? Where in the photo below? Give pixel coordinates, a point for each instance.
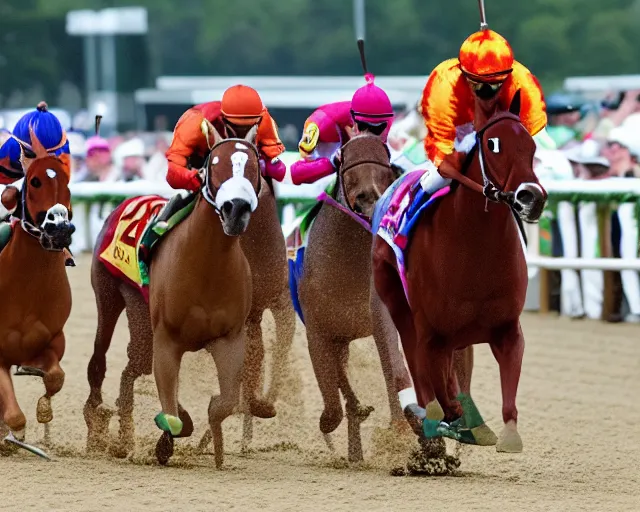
(227, 208)
(525, 197)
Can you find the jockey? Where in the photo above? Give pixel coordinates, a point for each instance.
(330, 126)
(240, 110)
(484, 71)
(16, 155)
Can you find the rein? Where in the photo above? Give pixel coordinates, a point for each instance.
(488, 188)
(347, 208)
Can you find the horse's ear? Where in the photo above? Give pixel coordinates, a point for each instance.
(210, 133)
(251, 136)
(36, 145)
(514, 108)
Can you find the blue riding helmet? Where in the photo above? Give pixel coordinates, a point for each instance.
(47, 128)
(562, 103)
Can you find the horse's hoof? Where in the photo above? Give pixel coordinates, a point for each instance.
(509, 440)
(484, 436)
(164, 448)
(121, 448)
(415, 416)
(360, 412)
(330, 420)
(262, 409)
(44, 413)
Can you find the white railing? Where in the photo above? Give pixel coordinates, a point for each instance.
(581, 209)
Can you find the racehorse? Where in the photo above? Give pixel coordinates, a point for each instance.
(466, 274)
(34, 280)
(264, 247)
(199, 296)
(337, 303)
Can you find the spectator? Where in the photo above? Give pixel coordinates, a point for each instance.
(130, 160)
(622, 149)
(564, 113)
(157, 166)
(78, 150)
(98, 165)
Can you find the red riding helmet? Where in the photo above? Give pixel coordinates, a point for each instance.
(242, 105)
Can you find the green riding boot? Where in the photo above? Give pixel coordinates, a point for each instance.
(172, 213)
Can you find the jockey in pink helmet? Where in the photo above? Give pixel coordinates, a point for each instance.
(332, 125)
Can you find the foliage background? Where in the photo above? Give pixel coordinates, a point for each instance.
(554, 38)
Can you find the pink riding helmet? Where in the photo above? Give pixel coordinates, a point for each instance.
(370, 104)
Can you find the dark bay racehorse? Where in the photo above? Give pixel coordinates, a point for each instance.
(34, 280)
(337, 301)
(466, 275)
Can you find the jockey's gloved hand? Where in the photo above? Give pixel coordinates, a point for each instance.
(452, 165)
(9, 200)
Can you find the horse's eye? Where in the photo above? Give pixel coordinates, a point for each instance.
(494, 144)
(35, 182)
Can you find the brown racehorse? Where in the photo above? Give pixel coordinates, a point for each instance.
(34, 280)
(466, 274)
(337, 301)
(264, 246)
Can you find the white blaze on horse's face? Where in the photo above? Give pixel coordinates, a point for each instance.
(57, 216)
(238, 187)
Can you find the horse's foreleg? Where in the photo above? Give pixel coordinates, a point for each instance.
(508, 349)
(460, 386)
(394, 370)
(285, 319)
(228, 356)
(324, 354)
(12, 415)
(437, 356)
(167, 357)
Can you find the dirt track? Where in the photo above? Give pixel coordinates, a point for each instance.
(579, 404)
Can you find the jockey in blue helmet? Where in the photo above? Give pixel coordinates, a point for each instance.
(16, 155)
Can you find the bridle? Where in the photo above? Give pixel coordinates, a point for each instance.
(488, 188)
(344, 169)
(207, 190)
(29, 225)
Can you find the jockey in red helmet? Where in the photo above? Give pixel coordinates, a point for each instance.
(240, 110)
(330, 126)
(486, 71)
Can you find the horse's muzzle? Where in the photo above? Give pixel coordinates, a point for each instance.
(235, 215)
(529, 201)
(56, 237)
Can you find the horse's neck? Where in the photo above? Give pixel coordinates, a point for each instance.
(483, 111)
(205, 229)
(476, 215)
(25, 250)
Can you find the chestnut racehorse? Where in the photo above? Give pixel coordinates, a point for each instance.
(337, 301)
(466, 275)
(264, 246)
(33, 279)
(200, 290)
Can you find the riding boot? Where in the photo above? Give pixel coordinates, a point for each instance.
(175, 204)
(160, 225)
(431, 181)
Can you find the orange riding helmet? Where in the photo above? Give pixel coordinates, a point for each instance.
(242, 105)
(486, 57)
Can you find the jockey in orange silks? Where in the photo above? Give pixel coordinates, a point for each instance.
(240, 110)
(486, 70)
(330, 126)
